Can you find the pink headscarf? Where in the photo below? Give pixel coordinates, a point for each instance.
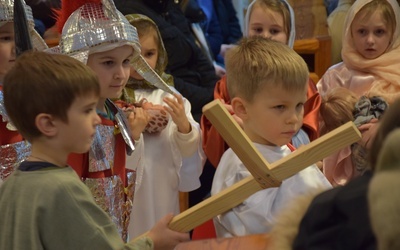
(385, 67)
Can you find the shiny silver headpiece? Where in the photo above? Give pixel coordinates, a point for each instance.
(7, 15)
(96, 28)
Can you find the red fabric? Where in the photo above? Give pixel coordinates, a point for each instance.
(7, 136)
(213, 144)
(204, 231)
(80, 162)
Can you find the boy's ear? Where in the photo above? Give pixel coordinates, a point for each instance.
(239, 107)
(45, 124)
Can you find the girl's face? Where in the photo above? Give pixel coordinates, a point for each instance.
(112, 68)
(370, 34)
(267, 23)
(7, 48)
(149, 47)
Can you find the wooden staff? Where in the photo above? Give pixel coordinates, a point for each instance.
(264, 175)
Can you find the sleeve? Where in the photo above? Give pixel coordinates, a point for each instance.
(88, 226)
(187, 143)
(192, 153)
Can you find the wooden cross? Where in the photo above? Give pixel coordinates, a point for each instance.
(264, 175)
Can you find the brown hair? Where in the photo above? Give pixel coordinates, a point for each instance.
(386, 9)
(336, 109)
(257, 62)
(45, 83)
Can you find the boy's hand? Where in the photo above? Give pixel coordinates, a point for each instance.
(165, 238)
(177, 111)
(138, 121)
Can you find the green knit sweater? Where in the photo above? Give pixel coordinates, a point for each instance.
(53, 209)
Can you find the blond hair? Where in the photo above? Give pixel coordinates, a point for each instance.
(257, 62)
(337, 108)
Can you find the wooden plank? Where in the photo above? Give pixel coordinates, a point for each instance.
(238, 192)
(320, 148)
(235, 137)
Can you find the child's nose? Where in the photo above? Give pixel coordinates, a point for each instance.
(370, 39)
(293, 118)
(97, 120)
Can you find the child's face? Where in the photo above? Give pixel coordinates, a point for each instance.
(275, 115)
(77, 134)
(370, 34)
(149, 52)
(112, 68)
(7, 48)
(267, 23)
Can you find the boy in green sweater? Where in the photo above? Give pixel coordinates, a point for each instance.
(51, 100)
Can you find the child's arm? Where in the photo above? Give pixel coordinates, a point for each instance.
(138, 121)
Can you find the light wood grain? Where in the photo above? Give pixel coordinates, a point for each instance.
(237, 193)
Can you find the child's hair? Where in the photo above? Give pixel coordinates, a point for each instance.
(277, 6)
(45, 83)
(389, 122)
(387, 12)
(257, 62)
(336, 109)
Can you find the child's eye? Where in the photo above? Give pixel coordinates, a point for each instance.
(108, 63)
(279, 107)
(149, 54)
(89, 110)
(299, 106)
(258, 30)
(362, 31)
(7, 38)
(127, 61)
(380, 32)
(274, 31)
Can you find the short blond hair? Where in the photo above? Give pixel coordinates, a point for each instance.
(257, 62)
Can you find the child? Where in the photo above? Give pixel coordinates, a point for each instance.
(173, 154)
(44, 204)
(370, 57)
(13, 148)
(370, 51)
(340, 105)
(99, 35)
(341, 217)
(273, 19)
(268, 86)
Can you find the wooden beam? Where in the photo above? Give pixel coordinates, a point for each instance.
(282, 169)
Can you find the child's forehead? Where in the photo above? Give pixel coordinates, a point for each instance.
(6, 26)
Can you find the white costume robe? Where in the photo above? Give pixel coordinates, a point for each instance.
(165, 170)
(257, 214)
